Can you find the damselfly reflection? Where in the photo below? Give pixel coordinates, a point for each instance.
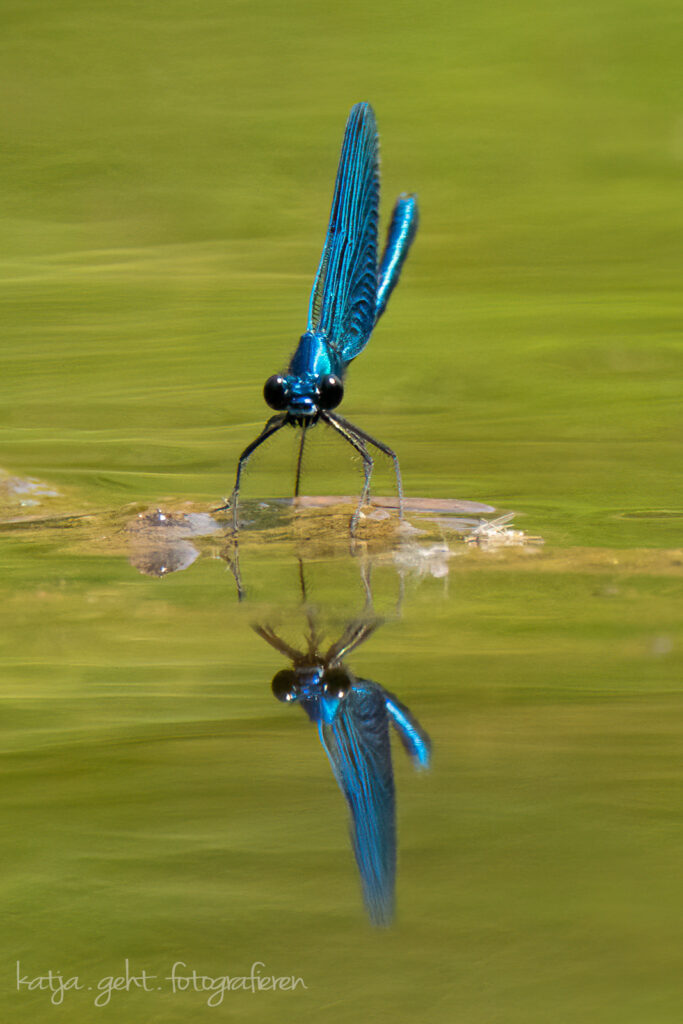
(350, 293)
(353, 716)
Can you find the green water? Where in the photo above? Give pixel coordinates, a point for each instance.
(164, 188)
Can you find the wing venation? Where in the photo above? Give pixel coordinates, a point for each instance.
(344, 296)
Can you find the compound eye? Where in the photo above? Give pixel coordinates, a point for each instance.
(337, 683)
(275, 392)
(331, 391)
(284, 685)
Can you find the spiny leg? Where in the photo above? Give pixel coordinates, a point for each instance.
(299, 462)
(270, 636)
(355, 634)
(234, 567)
(314, 639)
(365, 574)
(271, 427)
(261, 437)
(302, 582)
(363, 436)
(347, 432)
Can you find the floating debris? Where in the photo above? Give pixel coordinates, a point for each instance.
(493, 533)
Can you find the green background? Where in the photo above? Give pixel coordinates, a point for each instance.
(165, 182)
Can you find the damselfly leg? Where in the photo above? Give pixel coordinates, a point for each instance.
(272, 426)
(347, 432)
(359, 438)
(299, 461)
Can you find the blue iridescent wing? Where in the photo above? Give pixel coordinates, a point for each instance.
(415, 740)
(357, 744)
(344, 297)
(404, 221)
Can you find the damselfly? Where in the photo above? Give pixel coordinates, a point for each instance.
(353, 717)
(350, 293)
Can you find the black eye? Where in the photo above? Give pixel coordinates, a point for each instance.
(331, 392)
(337, 683)
(284, 685)
(275, 392)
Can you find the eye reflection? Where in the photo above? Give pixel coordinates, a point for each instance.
(337, 683)
(284, 685)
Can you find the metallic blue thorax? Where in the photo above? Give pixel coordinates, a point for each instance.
(314, 358)
(313, 361)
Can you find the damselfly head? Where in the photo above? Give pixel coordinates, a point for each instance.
(305, 397)
(333, 684)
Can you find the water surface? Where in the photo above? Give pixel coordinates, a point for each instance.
(165, 189)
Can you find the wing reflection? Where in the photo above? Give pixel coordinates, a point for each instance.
(353, 716)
